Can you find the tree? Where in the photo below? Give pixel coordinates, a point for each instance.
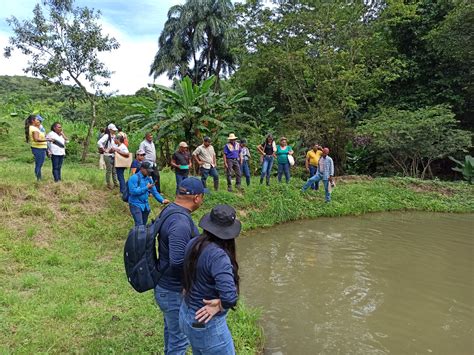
(63, 46)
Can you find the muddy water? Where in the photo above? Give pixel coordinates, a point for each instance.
(398, 283)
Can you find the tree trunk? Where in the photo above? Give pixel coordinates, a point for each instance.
(89, 132)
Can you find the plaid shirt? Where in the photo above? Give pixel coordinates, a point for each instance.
(326, 167)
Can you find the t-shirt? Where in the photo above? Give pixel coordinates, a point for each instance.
(55, 146)
(182, 159)
(39, 145)
(206, 155)
(269, 149)
(314, 157)
(282, 154)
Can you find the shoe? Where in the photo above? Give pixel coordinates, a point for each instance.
(229, 189)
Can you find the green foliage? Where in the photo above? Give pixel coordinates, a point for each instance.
(466, 168)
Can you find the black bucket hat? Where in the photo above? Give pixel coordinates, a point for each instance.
(221, 222)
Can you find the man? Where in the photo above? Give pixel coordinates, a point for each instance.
(140, 185)
(312, 159)
(139, 159)
(181, 162)
(106, 146)
(205, 156)
(232, 161)
(148, 147)
(175, 233)
(325, 172)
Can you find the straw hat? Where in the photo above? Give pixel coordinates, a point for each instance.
(232, 136)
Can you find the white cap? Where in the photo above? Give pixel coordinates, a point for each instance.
(183, 144)
(111, 127)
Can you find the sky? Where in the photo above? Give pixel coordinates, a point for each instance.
(135, 24)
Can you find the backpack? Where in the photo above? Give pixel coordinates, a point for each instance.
(140, 259)
(126, 192)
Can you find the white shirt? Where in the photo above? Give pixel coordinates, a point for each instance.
(102, 143)
(53, 148)
(150, 151)
(123, 148)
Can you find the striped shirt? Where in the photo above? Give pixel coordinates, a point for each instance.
(326, 167)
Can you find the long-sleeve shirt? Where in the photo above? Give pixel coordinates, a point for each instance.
(150, 151)
(175, 233)
(214, 278)
(138, 191)
(326, 167)
(106, 144)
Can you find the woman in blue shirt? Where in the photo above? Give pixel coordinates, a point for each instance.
(211, 283)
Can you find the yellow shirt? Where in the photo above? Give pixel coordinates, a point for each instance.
(314, 157)
(40, 145)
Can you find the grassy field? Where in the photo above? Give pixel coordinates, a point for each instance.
(63, 287)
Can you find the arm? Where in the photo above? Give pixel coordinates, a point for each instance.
(199, 161)
(133, 187)
(36, 138)
(102, 141)
(173, 163)
(223, 275)
(306, 162)
(332, 168)
(157, 196)
(190, 162)
(179, 235)
(214, 160)
(260, 149)
(225, 161)
(124, 154)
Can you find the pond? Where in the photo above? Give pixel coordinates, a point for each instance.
(397, 283)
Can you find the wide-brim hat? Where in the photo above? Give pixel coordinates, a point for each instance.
(221, 222)
(232, 136)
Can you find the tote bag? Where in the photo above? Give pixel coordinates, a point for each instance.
(122, 162)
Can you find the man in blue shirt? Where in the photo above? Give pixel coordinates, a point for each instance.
(325, 172)
(140, 185)
(175, 233)
(232, 161)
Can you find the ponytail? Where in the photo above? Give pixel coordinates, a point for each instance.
(28, 122)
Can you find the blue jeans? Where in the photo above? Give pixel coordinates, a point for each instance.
(139, 217)
(205, 174)
(121, 178)
(170, 303)
(266, 167)
(316, 179)
(312, 171)
(57, 161)
(246, 171)
(284, 168)
(179, 178)
(40, 155)
(213, 339)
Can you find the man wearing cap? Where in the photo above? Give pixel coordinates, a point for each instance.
(175, 233)
(139, 158)
(106, 146)
(140, 185)
(205, 156)
(181, 162)
(232, 161)
(325, 173)
(148, 147)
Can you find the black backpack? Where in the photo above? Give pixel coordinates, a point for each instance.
(126, 192)
(140, 258)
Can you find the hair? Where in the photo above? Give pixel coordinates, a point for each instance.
(192, 258)
(28, 122)
(268, 137)
(119, 128)
(148, 134)
(120, 138)
(53, 126)
(102, 130)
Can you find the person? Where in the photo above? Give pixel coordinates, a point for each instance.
(245, 158)
(120, 148)
(232, 161)
(175, 233)
(101, 155)
(123, 134)
(148, 147)
(181, 162)
(205, 156)
(311, 163)
(106, 146)
(325, 172)
(38, 142)
(211, 283)
(140, 185)
(139, 158)
(267, 150)
(56, 149)
(283, 150)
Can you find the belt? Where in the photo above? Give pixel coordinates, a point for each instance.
(232, 158)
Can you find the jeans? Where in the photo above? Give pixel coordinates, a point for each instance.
(110, 171)
(179, 178)
(267, 165)
(233, 165)
(246, 171)
(121, 178)
(315, 179)
(57, 161)
(213, 172)
(284, 168)
(214, 339)
(170, 303)
(139, 217)
(40, 155)
(312, 171)
(155, 176)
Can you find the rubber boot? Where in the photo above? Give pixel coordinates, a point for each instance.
(261, 180)
(216, 185)
(268, 181)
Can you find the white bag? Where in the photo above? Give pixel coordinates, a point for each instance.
(291, 160)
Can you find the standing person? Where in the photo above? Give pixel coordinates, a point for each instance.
(181, 162)
(325, 173)
(140, 185)
(175, 233)
(211, 283)
(57, 149)
(124, 135)
(205, 156)
(38, 143)
(283, 150)
(311, 163)
(101, 155)
(106, 145)
(245, 158)
(148, 147)
(120, 148)
(267, 150)
(232, 161)
(139, 158)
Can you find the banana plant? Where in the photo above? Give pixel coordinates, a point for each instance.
(466, 168)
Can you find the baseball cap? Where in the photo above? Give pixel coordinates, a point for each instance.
(140, 152)
(207, 139)
(183, 144)
(192, 186)
(41, 119)
(112, 127)
(147, 165)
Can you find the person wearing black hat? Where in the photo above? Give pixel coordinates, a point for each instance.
(211, 283)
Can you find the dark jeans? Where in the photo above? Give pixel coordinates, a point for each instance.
(213, 172)
(312, 171)
(179, 178)
(39, 155)
(57, 161)
(139, 217)
(121, 178)
(233, 165)
(155, 176)
(246, 171)
(267, 165)
(316, 178)
(284, 168)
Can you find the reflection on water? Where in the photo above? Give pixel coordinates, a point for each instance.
(375, 284)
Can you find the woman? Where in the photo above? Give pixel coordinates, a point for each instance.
(267, 149)
(211, 283)
(283, 150)
(106, 146)
(121, 149)
(245, 158)
(56, 149)
(38, 142)
(137, 162)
